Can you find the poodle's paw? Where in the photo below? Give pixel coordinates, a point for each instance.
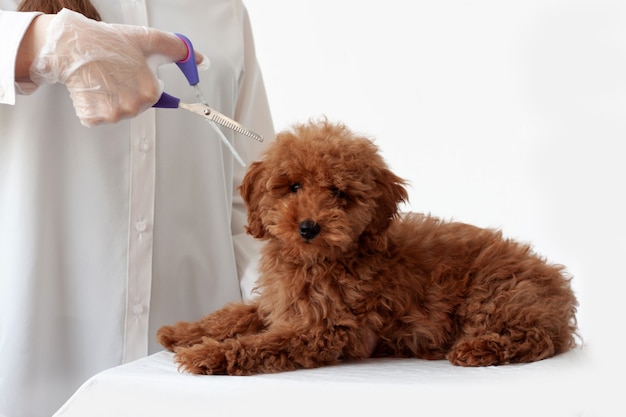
(166, 336)
(206, 358)
(180, 335)
(479, 351)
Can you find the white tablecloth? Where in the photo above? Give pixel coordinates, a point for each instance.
(153, 387)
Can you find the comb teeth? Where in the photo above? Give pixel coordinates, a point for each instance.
(236, 128)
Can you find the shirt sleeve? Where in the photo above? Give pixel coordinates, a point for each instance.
(252, 111)
(13, 25)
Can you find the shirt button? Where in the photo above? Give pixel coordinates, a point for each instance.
(145, 146)
(141, 226)
(138, 309)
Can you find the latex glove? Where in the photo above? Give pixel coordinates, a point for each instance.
(109, 69)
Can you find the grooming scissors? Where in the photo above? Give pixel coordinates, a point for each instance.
(190, 70)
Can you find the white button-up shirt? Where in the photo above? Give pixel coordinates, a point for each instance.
(108, 233)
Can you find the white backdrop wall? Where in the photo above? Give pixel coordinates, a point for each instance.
(506, 114)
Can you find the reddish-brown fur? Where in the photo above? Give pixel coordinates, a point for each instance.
(373, 281)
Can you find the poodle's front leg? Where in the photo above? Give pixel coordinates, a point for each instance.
(233, 319)
(266, 352)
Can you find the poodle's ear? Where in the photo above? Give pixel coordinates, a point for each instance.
(251, 192)
(392, 192)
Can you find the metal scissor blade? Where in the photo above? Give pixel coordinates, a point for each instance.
(219, 118)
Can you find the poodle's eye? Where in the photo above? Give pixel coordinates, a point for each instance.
(336, 192)
(294, 187)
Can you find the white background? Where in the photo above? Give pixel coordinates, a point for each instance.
(506, 114)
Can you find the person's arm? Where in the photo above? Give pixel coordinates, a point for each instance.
(29, 47)
(252, 111)
(13, 26)
(108, 69)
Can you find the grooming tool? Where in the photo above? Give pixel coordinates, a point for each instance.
(190, 70)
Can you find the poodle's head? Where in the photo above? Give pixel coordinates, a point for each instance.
(320, 191)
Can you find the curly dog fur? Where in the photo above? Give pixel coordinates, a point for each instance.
(345, 276)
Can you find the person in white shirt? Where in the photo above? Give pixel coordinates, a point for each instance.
(116, 218)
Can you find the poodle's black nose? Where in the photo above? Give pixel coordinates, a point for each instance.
(308, 229)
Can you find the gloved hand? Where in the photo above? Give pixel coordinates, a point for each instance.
(109, 69)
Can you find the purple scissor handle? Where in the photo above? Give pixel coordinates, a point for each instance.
(190, 69)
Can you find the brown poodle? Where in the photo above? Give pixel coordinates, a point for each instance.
(345, 276)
